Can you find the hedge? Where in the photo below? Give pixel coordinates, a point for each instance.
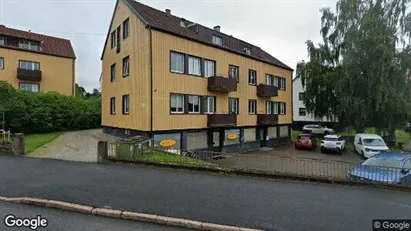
(30, 112)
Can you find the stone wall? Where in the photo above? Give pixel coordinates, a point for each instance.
(6, 148)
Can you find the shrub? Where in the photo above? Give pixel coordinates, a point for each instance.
(47, 112)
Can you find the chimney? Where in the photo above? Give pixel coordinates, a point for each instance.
(217, 28)
(168, 12)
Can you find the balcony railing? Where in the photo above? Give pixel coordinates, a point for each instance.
(222, 84)
(264, 90)
(267, 119)
(30, 75)
(221, 120)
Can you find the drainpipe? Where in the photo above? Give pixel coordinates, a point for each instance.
(151, 83)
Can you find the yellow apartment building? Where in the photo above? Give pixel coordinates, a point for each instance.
(36, 62)
(189, 86)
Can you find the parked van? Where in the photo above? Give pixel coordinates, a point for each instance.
(368, 145)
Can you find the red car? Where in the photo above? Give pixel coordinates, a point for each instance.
(306, 141)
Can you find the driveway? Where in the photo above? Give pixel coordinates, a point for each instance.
(73, 146)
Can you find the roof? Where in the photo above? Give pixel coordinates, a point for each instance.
(50, 45)
(161, 21)
(393, 155)
(332, 136)
(363, 135)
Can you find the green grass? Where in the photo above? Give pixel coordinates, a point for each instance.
(32, 142)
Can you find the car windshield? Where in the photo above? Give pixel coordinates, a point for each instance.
(331, 139)
(383, 162)
(373, 142)
(303, 137)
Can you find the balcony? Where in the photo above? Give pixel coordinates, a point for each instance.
(222, 84)
(30, 75)
(221, 120)
(264, 90)
(267, 119)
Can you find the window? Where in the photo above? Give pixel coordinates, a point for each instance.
(407, 165)
(271, 80)
(209, 68)
(33, 87)
(2, 40)
(217, 40)
(113, 39)
(176, 62)
(252, 106)
(301, 96)
(1, 63)
(233, 105)
(113, 106)
(28, 65)
(209, 105)
(252, 77)
(126, 66)
(177, 103)
(271, 107)
(281, 83)
(250, 134)
(113, 73)
(301, 111)
(233, 72)
(282, 108)
(29, 45)
(193, 104)
(247, 50)
(194, 66)
(126, 104)
(126, 28)
(118, 37)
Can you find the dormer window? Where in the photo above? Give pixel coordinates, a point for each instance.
(31, 45)
(1, 40)
(217, 40)
(247, 50)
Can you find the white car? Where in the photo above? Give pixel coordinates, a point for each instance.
(367, 145)
(332, 143)
(318, 129)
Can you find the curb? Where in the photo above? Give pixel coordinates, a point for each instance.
(142, 217)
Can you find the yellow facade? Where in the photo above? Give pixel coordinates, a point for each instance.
(57, 72)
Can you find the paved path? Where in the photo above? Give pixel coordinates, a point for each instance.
(68, 221)
(241, 201)
(74, 146)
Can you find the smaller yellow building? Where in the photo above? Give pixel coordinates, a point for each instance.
(36, 62)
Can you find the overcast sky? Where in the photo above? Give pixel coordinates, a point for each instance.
(280, 27)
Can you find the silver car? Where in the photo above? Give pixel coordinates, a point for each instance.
(318, 129)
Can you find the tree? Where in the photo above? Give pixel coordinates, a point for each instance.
(80, 91)
(359, 73)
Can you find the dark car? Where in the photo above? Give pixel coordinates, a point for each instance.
(307, 141)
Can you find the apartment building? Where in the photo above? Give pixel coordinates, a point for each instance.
(189, 86)
(36, 62)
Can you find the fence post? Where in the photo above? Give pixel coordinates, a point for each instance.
(102, 151)
(18, 144)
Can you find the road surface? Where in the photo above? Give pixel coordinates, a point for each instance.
(233, 200)
(68, 221)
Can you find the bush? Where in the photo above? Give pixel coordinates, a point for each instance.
(47, 112)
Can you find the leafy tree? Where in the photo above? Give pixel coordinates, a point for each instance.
(359, 73)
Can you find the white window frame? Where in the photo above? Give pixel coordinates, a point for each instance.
(282, 108)
(114, 38)
(126, 28)
(234, 72)
(247, 50)
(1, 63)
(113, 73)
(2, 40)
(210, 105)
(269, 107)
(31, 45)
(252, 106)
(275, 108)
(208, 71)
(126, 104)
(299, 111)
(271, 80)
(252, 77)
(194, 100)
(176, 69)
(29, 65)
(179, 98)
(194, 65)
(217, 40)
(126, 66)
(25, 88)
(112, 105)
(234, 103)
(281, 83)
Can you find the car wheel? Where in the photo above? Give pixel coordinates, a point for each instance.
(296, 148)
(326, 133)
(362, 154)
(322, 150)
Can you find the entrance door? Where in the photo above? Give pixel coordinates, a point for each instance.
(262, 137)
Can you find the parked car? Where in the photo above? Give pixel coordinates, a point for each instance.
(332, 143)
(306, 141)
(368, 145)
(407, 127)
(317, 129)
(388, 167)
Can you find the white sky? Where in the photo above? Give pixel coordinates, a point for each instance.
(280, 27)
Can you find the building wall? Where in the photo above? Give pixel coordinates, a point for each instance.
(137, 84)
(57, 72)
(166, 82)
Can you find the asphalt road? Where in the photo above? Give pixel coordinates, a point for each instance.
(233, 200)
(68, 221)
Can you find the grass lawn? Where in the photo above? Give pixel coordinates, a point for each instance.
(32, 142)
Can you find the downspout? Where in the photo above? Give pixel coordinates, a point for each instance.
(151, 82)
(73, 86)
